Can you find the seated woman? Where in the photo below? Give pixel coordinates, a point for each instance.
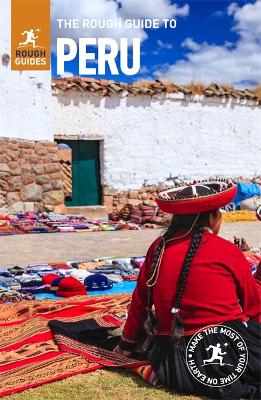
(192, 279)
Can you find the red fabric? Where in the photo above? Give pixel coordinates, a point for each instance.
(197, 204)
(219, 277)
(17, 359)
(70, 286)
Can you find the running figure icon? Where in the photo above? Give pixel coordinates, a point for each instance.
(30, 38)
(217, 355)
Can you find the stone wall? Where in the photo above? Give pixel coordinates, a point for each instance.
(30, 177)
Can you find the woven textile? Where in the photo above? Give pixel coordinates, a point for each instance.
(29, 356)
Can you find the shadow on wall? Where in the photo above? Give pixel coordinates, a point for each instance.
(114, 101)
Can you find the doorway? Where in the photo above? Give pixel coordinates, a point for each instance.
(85, 172)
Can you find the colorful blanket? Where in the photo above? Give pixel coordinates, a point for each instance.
(29, 355)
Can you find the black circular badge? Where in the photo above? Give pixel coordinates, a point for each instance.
(216, 356)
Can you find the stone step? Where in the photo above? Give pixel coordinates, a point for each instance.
(88, 211)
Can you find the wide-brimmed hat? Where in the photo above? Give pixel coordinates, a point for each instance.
(197, 197)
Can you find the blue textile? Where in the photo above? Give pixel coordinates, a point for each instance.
(42, 296)
(245, 191)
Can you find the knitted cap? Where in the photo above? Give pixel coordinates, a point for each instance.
(69, 287)
(97, 282)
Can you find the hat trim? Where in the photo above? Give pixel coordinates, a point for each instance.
(195, 197)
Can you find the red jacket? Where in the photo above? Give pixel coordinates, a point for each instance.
(219, 287)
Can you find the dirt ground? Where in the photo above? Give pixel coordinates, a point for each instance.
(40, 248)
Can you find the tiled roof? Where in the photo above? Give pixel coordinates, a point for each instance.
(66, 170)
(106, 87)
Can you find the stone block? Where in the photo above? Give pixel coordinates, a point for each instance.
(5, 176)
(15, 168)
(11, 146)
(57, 184)
(27, 179)
(15, 183)
(16, 208)
(52, 158)
(13, 155)
(108, 203)
(26, 167)
(42, 179)
(4, 211)
(12, 197)
(26, 144)
(33, 159)
(52, 149)
(38, 169)
(144, 196)
(2, 147)
(28, 206)
(107, 191)
(47, 187)
(60, 209)
(133, 194)
(49, 208)
(4, 158)
(56, 175)
(39, 207)
(133, 202)
(54, 197)
(41, 151)
(4, 186)
(2, 200)
(4, 167)
(31, 192)
(50, 168)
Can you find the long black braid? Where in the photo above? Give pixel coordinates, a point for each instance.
(177, 325)
(178, 223)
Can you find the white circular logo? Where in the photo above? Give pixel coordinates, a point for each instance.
(216, 356)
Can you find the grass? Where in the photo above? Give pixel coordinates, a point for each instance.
(99, 385)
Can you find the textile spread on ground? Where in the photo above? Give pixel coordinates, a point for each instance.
(30, 355)
(130, 218)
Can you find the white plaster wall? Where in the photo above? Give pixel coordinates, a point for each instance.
(25, 97)
(146, 140)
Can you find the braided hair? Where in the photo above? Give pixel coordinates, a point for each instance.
(181, 223)
(177, 328)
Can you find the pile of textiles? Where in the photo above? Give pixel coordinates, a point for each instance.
(35, 348)
(143, 215)
(6, 227)
(53, 223)
(69, 279)
(248, 196)
(93, 277)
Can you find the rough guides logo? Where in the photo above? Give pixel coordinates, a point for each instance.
(30, 35)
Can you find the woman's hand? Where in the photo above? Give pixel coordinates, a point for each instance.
(124, 353)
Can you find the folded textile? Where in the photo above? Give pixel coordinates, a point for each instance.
(5, 273)
(10, 282)
(79, 274)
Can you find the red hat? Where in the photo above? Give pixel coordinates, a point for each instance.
(47, 279)
(197, 197)
(69, 287)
